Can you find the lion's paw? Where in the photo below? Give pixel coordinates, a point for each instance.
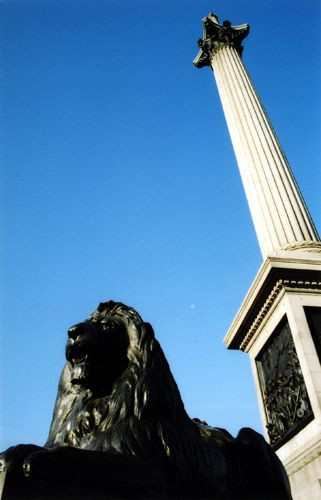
(13, 457)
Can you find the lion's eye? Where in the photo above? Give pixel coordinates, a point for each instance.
(109, 325)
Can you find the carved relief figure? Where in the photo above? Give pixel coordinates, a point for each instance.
(285, 396)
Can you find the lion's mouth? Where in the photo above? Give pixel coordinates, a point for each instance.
(79, 360)
(77, 353)
(79, 371)
(84, 363)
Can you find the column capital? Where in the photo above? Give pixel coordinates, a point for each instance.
(215, 36)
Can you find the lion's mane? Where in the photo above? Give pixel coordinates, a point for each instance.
(144, 415)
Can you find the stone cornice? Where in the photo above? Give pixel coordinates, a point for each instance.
(216, 36)
(263, 312)
(279, 286)
(291, 271)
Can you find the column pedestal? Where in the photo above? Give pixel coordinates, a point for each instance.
(278, 325)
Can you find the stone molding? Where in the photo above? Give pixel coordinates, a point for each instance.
(306, 246)
(280, 285)
(295, 267)
(310, 454)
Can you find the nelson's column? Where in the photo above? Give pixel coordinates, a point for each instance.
(279, 321)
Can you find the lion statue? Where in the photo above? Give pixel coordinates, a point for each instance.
(120, 430)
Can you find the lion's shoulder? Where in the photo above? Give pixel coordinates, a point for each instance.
(212, 435)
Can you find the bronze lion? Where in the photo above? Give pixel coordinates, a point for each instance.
(120, 430)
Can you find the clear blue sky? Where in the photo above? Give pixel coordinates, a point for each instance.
(119, 182)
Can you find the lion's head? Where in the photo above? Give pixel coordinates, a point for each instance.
(117, 394)
(116, 391)
(97, 350)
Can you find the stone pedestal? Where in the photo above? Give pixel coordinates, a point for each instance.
(279, 326)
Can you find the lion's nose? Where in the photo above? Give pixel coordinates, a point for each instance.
(75, 331)
(80, 329)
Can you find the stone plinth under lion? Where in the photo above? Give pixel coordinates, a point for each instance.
(120, 430)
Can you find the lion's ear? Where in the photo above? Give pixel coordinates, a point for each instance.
(147, 333)
(149, 329)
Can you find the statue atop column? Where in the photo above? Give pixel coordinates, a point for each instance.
(217, 35)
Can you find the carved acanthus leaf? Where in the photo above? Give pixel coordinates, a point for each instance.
(217, 35)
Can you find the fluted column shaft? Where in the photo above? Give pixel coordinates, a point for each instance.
(279, 213)
(280, 216)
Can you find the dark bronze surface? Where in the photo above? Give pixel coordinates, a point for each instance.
(120, 430)
(285, 396)
(216, 36)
